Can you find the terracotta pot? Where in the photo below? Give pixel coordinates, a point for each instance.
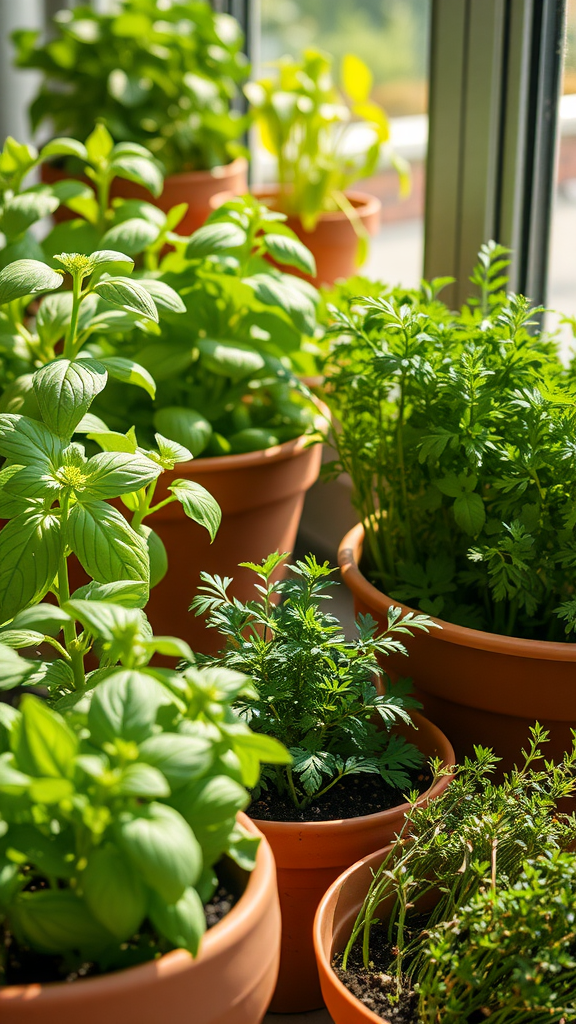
(310, 855)
(230, 981)
(333, 241)
(479, 687)
(333, 925)
(193, 187)
(261, 496)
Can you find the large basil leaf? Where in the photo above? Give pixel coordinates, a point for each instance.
(128, 295)
(124, 706)
(282, 291)
(110, 474)
(132, 235)
(183, 923)
(14, 670)
(26, 277)
(228, 359)
(141, 170)
(162, 847)
(217, 238)
(186, 426)
(164, 296)
(114, 892)
(56, 920)
(198, 504)
(179, 758)
(23, 210)
(130, 372)
(30, 547)
(107, 547)
(43, 744)
(287, 249)
(28, 442)
(65, 390)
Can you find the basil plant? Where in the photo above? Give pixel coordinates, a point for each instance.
(119, 801)
(54, 495)
(228, 370)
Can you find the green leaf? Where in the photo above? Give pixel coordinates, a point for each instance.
(22, 211)
(164, 296)
(181, 759)
(50, 791)
(170, 646)
(157, 554)
(102, 618)
(143, 171)
(18, 638)
(128, 295)
(221, 237)
(109, 474)
(14, 670)
(212, 801)
(47, 618)
(243, 847)
(130, 372)
(99, 144)
(469, 512)
(43, 745)
(291, 251)
(183, 923)
(111, 258)
(114, 893)
(27, 277)
(56, 920)
(356, 78)
(127, 593)
(185, 426)
(253, 748)
(228, 359)
(107, 547)
(166, 360)
(132, 236)
(143, 780)
(284, 292)
(124, 706)
(28, 442)
(198, 504)
(65, 390)
(171, 453)
(11, 780)
(63, 147)
(162, 847)
(30, 547)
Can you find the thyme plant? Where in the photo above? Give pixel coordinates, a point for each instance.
(314, 690)
(457, 431)
(495, 861)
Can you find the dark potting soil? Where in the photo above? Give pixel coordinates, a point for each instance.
(23, 966)
(353, 796)
(374, 988)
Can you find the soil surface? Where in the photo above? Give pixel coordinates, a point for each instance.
(23, 966)
(374, 988)
(353, 796)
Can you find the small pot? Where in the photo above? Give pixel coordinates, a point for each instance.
(333, 926)
(193, 187)
(261, 495)
(310, 855)
(479, 687)
(229, 982)
(333, 242)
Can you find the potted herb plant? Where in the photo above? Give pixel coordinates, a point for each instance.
(470, 914)
(166, 80)
(455, 430)
(227, 390)
(122, 838)
(307, 123)
(354, 747)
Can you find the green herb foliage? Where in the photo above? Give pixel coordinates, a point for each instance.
(226, 368)
(304, 122)
(117, 803)
(457, 429)
(491, 857)
(54, 496)
(315, 691)
(165, 79)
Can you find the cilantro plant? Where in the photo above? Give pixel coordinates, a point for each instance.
(118, 802)
(225, 369)
(316, 691)
(499, 941)
(305, 121)
(54, 496)
(456, 429)
(164, 78)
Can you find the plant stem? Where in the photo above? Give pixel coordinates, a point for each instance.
(76, 659)
(70, 341)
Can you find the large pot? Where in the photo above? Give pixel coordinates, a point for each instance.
(230, 981)
(261, 496)
(310, 855)
(333, 926)
(479, 687)
(193, 187)
(333, 242)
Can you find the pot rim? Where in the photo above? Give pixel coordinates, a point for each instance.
(223, 171)
(225, 934)
(366, 203)
(349, 555)
(323, 909)
(283, 828)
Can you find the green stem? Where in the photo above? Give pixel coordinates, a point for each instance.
(144, 509)
(70, 637)
(70, 341)
(103, 188)
(292, 788)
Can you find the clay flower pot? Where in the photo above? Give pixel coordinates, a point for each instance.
(230, 981)
(333, 925)
(310, 855)
(479, 687)
(261, 495)
(193, 187)
(333, 242)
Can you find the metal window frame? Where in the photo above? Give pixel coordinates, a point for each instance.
(495, 74)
